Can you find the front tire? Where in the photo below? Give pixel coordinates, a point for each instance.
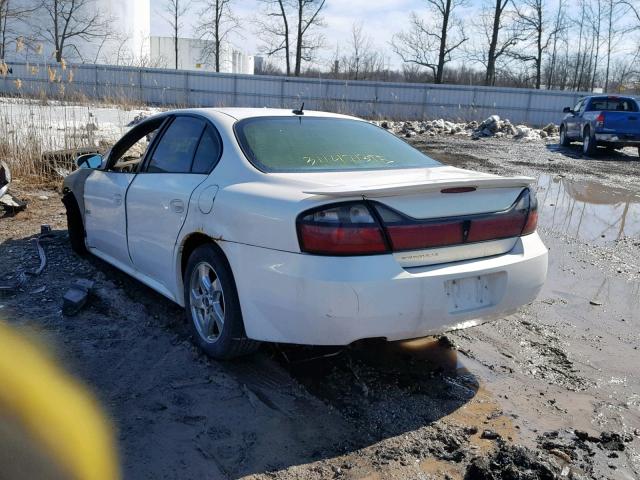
(213, 307)
(75, 225)
(564, 140)
(589, 144)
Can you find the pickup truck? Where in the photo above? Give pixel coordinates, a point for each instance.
(609, 121)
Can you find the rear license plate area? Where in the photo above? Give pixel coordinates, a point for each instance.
(474, 293)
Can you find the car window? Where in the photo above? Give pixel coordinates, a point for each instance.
(613, 105)
(300, 144)
(127, 154)
(208, 152)
(578, 105)
(175, 149)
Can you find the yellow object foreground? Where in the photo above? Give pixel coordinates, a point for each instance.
(50, 426)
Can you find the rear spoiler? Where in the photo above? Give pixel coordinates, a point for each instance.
(422, 186)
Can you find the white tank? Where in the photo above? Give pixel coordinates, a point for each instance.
(127, 43)
(131, 21)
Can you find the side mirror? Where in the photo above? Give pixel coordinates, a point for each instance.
(89, 160)
(567, 110)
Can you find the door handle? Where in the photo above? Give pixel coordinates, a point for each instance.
(177, 205)
(117, 198)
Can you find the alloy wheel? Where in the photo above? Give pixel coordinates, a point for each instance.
(207, 302)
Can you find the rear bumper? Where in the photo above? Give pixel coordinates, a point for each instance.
(306, 299)
(620, 139)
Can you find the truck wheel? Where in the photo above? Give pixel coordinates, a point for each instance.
(589, 145)
(564, 140)
(212, 305)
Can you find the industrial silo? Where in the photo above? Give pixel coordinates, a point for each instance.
(131, 21)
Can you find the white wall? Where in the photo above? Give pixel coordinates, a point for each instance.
(192, 55)
(405, 101)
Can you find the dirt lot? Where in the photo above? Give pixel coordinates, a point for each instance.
(552, 391)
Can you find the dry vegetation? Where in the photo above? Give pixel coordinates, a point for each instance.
(40, 135)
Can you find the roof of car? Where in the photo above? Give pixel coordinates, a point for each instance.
(610, 97)
(242, 113)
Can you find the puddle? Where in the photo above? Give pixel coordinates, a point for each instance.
(588, 211)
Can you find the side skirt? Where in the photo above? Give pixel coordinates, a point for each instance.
(149, 282)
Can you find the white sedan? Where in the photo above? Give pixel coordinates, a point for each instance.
(304, 227)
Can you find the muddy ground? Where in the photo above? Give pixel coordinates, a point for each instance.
(552, 391)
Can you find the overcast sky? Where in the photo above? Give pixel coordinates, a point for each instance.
(381, 19)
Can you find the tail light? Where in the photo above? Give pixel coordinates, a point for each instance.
(345, 229)
(362, 228)
(532, 218)
(520, 219)
(600, 121)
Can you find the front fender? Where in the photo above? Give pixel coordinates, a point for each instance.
(74, 183)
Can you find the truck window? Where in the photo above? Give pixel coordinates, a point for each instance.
(578, 105)
(613, 105)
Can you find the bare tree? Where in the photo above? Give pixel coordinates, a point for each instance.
(587, 43)
(274, 28)
(14, 16)
(175, 10)
(364, 61)
(596, 24)
(307, 42)
(496, 24)
(66, 21)
(431, 44)
(616, 12)
(534, 25)
(217, 21)
(624, 71)
(559, 27)
(282, 19)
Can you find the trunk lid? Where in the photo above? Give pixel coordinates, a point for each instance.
(422, 193)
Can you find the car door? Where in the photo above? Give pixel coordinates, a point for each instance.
(158, 199)
(104, 196)
(105, 217)
(573, 119)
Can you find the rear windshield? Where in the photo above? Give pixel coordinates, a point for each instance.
(316, 144)
(613, 104)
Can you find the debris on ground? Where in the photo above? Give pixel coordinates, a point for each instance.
(76, 297)
(5, 178)
(511, 461)
(11, 205)
(20, 280)
(59, 163)
(138, 118)
(492, 126)
(43, 258)
(490, 435)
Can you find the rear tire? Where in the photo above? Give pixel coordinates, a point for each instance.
(564, 140)
(589, 144)
(213, 307)
(75, 226)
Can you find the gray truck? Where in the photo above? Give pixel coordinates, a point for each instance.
(609, 121)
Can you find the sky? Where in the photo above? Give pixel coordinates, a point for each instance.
(381, 19)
